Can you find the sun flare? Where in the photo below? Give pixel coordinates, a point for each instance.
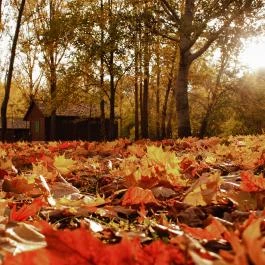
(253, 53)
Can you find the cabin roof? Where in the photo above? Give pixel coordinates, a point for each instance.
(77, 110)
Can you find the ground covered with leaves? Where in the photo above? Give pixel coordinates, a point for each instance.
(178, 202)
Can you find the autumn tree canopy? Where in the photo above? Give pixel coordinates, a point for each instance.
(135, 63)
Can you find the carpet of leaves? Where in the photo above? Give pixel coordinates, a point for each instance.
(180, 202)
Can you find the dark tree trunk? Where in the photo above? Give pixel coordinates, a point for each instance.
(158, 134)
(0, 13)
(53, 92)
(10, 72)
(112, 99)
(204, 124)
(136, 91)
(182, 101)
(102, 102)
(145, 103)
(102, 120)
(164, 109)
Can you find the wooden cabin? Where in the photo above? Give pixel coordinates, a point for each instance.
(17, 130)
(72, 123)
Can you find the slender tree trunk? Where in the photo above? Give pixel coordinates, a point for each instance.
(10, 72)
(141, 78)
(102, 120)
(145, 104)
(158, 76)
(204, 124)
(136, 90)
(112, 99)
(168, 89)
(164, 108)
(170, 116)
(182, 102)
(53, 92)
(102, 103)
(0, 14)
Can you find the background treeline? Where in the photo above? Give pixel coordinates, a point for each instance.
(162, 68)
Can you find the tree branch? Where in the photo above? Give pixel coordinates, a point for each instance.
(170, 11)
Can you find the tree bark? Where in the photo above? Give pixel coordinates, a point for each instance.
(0, 14)
(204, 124)
(102, 103)
(136, 90)
(112, 99)
(164, 108)
(145, 103)
(158, 76)
(182, 102)
(10, 71)
(53, 92)
(165, 104)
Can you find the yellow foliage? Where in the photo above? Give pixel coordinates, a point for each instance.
(62, 164)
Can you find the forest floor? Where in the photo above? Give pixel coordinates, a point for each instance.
(179, 202)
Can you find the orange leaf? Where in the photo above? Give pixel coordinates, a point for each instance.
(251, 183)
(137, 195)
(26, 210)
(213, 231)
(17, 185)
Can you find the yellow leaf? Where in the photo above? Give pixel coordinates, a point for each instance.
(204, 191)
(62, 164)
(168, 160)
(41, 169)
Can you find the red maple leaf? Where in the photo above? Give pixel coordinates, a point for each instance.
(80, 247)
(26, 210)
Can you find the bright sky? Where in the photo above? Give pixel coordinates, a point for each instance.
(253, 53)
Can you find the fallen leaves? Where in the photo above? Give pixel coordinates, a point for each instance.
(164, 202)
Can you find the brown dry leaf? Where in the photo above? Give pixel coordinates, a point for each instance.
(17, 185)
(22, 237)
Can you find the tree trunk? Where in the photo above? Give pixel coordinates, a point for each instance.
(158, 75)
(204, 124)
(10, 72)
(102, 103)
(102, 120)
(136, 91)
(145, 104)
(112, 99)
(168, 89)
(182, 102)
(164, 109)
(0, 15)
(53, 90)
